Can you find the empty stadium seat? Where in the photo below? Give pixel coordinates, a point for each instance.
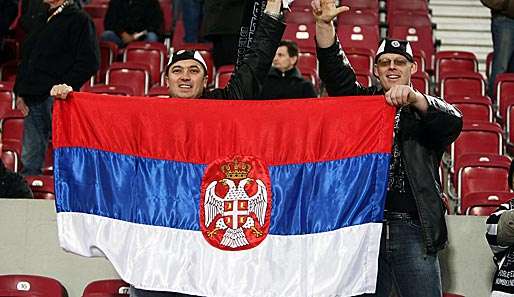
(361, 4)
(361, 59)
(223, 75)
(421, 81)
(303, 35)
(509, 127)
(307, 61)
(364, 78)
(462, 83)
(489, 64)
(474, 109)
(108, 52)
(421, 59)
(96, 10)
(10, 157)
(106, 288)
(153, 54)
(11, 125)
(299, 17)
(484, 203)
(7, 101)
(358, 35)
(159, 91)
(503, 86)
(477, 137)
(130, 74)
(481, 173)
(12, 285)
(42, 186)
(454, 61)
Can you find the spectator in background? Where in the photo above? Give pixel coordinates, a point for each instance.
(8, 12)
(502, 29)
(64, 49)
(500, 236)
(284, 80)
(12, 185)
(414, 227)
(221, 25)
(192, 15)
(131, 20)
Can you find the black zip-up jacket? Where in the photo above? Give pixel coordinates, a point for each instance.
(133, 16)
(12, 185)
(424, 138)
(289, 84)
(247, 80)
(63, 50)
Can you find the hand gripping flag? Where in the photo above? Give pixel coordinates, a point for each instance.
(225, 198)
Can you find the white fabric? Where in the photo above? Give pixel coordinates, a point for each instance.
(343, 262)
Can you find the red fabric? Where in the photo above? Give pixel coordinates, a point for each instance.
(200, 131)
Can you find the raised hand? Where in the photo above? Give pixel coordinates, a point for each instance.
(326, 10)
(60, 91)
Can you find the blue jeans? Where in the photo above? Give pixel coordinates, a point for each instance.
(192, 15)
(143, 293)
(404, 264)
(36, 133)
(113, 37)
(502, 28)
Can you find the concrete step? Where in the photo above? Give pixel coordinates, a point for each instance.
(465, 27)
(456, 11)
(469, 35)
(485, 22)
(455, 2)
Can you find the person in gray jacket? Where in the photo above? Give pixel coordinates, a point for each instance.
(414, 227)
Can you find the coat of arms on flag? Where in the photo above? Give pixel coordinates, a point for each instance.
(235, 208)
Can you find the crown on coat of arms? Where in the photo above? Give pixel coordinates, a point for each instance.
(236, 170)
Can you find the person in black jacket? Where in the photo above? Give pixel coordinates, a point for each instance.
(284, 80)
(131, 20)
(63, 50)
(12, 185)
(414, 227)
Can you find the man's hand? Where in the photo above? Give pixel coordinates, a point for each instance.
(273, 6)
(325, 11)
(127, 38)
(20, 105)
(60, 91)
(401, 95)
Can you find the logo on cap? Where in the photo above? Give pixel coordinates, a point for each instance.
(395, 43)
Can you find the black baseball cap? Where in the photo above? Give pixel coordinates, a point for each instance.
(186, 55)
(395, 46)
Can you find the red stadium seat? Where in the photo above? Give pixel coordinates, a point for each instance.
(421, 81)
(312, 76)
(361, 4)
(484, 203)
(42, 186)
(153, 54)
(474, 109)
(359, 17)
(96, 10)
(504, 86)
(417, 29)
(454, 61)
(7, 101)
(364, 78)
(10, 157)
(30, 286)
(167, 14)
(451, 295)
(489, 64)
(159, 91)
(361, 59)
(477, 137)
(11, 125)
(99, 26)
(358, 36)
(481, 173)
(299, 17)
(509, 127)
(303, 35)
(110, 90)
(131, 74)
(8, 70)
(108, 52)
(223, 76)
(417, 6)
(106, 288)
(462, 83)
(307, 62)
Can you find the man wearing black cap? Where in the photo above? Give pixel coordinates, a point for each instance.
(414, 227)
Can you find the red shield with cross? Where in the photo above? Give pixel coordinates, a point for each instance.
(235, 204)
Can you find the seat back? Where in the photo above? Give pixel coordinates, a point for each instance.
(462, 83)
(484, 203)
(42, 186)
(130, 74)
(421, 81)
(152, 53)
(361, 59)
(474, 109)
(504, 86)
(303, 34)
(106, 288)
(30, 286)
(454, 61)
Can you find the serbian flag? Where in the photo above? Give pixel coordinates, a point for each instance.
(225, 198)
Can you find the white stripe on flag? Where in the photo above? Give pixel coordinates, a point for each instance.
(343, 262)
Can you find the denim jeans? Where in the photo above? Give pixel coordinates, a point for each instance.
(113, 37)
(143, 293)
(502, 28)
(404, 264)
(36, 133)
(192, 16)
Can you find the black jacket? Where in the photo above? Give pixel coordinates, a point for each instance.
(424, 138)
(222, 17)
(133, 16)
(12, 185)
(289, 84)
(63, 50)
(247, 80)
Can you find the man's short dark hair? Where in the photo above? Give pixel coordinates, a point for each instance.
(292, 47)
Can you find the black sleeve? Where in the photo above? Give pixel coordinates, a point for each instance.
(113, 20)
(86, 53)
(154, 17)
(308, 90)
(14, 186)
(247, 80)
(337, 73)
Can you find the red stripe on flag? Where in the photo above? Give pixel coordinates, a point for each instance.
(200, 131)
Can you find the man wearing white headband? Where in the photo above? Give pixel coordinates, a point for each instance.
(186, 71)
(414, 227)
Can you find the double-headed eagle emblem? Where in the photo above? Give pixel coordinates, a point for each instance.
(236, 207)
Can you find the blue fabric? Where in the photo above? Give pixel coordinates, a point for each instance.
(306, 198)
(113, 37)
(502, 28)
(37, 129)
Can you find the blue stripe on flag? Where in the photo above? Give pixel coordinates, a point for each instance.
(307, 198)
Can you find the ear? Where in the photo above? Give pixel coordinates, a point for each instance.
(205, 80)
(375, 70)
(294, 60)
(414, 68)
